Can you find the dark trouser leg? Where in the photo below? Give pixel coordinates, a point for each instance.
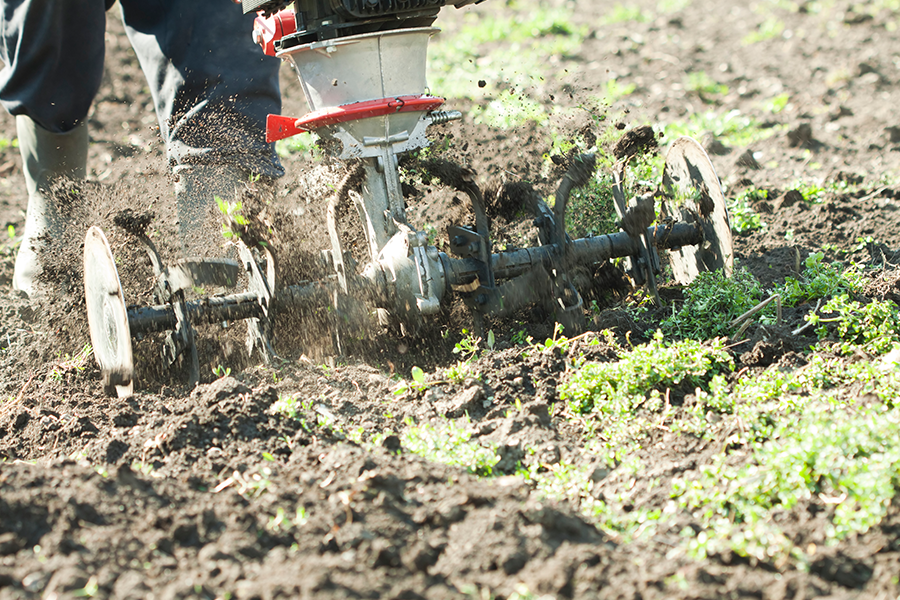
(53, 54)
(212, 88)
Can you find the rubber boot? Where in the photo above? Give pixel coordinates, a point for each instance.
(199, 217)
(46, 156)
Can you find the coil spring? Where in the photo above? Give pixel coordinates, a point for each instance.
(439, 117)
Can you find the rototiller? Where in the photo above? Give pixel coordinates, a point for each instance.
(361, 64)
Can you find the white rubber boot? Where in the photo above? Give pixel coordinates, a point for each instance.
(199, 217)
(46, 156)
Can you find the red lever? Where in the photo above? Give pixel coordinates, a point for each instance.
(279, 127)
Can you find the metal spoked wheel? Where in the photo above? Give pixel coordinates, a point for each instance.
(107, 316)
(693, 188)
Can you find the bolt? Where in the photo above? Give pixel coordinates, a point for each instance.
(459, 240)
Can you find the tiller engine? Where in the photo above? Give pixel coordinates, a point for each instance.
(361, 64)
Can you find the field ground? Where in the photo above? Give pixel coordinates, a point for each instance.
(705, 461)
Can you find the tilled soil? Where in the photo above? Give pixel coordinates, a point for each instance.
(212, 493)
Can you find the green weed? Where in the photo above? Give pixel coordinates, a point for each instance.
(417, 384)
(769, 29)
(68, 363)
(306, 143)
(450, 444)
(711, 302)
(700, 83)
(643, 376)
(820, 280)
(741, 214)
(510, 110)
(231, 210)
(625, 13)
(873, 327)
(732, 128)
(848, 460)
(777, 104)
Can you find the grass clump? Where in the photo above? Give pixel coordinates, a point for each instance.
(741, 214)
(846, 460)
(732, 128)
(712, 301)
(643, 376)
(820, 280)
(872, 327)
(450, 444)
(591, 209)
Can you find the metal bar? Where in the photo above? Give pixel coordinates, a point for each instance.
(215, 309)
(461, 271)
(582, 251)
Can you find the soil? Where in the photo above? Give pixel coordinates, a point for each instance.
(208, 493)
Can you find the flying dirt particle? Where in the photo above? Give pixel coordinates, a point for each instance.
(800, 136)
(637, 141)
(482, 83)
(132, 222)
(747, 160)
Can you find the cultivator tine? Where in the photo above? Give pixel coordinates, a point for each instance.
(634, 220)
(569, 309)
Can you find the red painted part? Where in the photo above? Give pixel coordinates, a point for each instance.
(266, 31)
(279, 127)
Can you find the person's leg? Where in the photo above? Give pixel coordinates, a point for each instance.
(53, 55)
(212, 88)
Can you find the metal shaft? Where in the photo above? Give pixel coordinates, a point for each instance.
(582, 251)
(458, 271)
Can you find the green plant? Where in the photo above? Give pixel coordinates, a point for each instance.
(625, 13)
(615, 91)
(873, 327)
(468, 346)
(68, 363)
(89, 590)
(643, 376)
(846, 459)
(732, 128)
(291, 406)
(741, 214)
(232, 212)
(141, 467)
(812, 192)
(777, 104)
(768, 29)
(820, 280)
(302, 143)
(711, 302)
(450, 444)
(220, 371)
(704, 86)
(521, 338)
(510, 110)
(590, 208)
(417, 384)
